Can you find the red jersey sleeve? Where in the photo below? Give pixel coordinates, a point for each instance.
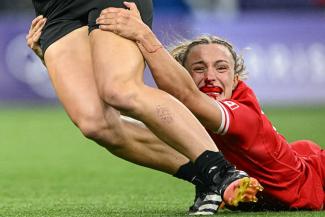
(239, 121)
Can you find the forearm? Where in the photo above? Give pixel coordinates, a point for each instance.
(169, 75)
(173, 78)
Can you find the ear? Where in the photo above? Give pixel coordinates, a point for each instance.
(236, 79)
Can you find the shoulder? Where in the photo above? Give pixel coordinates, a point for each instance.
(238, 116)
(245, 95)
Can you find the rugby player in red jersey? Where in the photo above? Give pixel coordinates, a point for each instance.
(293, 175)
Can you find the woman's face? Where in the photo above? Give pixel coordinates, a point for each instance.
(212, 69)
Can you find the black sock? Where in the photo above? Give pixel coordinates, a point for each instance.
(186, 172)
(210, 166)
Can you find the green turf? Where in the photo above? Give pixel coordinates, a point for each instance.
(48, 169)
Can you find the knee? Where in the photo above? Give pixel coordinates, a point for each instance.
(94, 126)
(89, 119)
(103, 134)
(124, 98)
(91, 126)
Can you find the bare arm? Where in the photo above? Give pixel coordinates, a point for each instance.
(169, 75)
(173, 78)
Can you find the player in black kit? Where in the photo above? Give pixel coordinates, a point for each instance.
(98, 74)
(64, 16)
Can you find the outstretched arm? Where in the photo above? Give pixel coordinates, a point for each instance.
(169, 75)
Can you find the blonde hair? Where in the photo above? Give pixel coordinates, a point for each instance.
(181, 51)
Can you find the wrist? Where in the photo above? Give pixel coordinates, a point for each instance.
(149, 41)
(142, 33)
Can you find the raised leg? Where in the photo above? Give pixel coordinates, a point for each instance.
(118, 66)
(70, 68)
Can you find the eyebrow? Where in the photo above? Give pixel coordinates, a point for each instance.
(202, 62)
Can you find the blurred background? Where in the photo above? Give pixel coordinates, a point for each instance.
(283, 43)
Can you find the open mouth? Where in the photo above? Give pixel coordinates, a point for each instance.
(213, 92)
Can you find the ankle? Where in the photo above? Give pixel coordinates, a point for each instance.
(211, 167)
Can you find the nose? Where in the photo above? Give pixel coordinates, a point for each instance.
(210, 76)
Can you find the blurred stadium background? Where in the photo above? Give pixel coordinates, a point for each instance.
(283, 42)
(48, 169)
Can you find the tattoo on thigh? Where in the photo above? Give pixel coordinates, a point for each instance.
(164, 114)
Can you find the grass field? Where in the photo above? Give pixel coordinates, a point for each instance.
(48, 169)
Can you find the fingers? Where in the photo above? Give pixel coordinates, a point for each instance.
(35, 21)
(39, 26)
(111, 28)
(111, 10)
(114, 16)
(36, 36)
(132, 6)
(36, 27)
(126, 23)
(107, 19)
(35, 32)
(111, 19)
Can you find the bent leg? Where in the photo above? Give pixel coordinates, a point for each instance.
(118, 66)
(68, 62)
(145, 149)
(305, 147)
(70, 68)
(303, 182)
(314, 153)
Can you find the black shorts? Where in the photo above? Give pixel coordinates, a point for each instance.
(64, 16)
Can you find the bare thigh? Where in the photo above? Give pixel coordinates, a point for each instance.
(69, 65)
(118, 66)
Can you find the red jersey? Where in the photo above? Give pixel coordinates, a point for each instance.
(248, 140)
